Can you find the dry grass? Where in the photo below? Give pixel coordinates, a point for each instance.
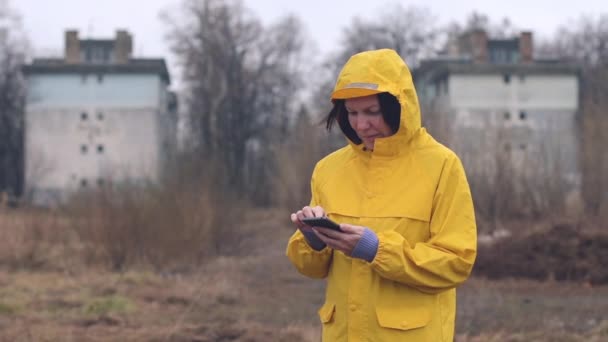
(253, 296)
(36, 239)
(523, 310)
(221, 299)
(167, 227)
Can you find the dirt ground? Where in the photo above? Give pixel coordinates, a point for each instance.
(260, 297)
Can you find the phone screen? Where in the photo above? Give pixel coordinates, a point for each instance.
(321, 222)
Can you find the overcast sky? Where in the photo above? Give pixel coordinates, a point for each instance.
(46, 21)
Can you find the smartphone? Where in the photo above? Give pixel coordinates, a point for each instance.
(321, 222)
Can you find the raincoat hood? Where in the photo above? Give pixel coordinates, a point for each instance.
(378, 71)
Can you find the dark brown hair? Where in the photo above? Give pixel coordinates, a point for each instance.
(389, 107)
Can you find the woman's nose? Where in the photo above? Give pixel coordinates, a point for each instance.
(361, 123)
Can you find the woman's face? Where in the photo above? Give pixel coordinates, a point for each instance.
(366, 119)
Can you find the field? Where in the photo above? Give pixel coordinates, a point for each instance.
(253, 296)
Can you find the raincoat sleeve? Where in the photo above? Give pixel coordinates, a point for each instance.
(309, 262)
(446, 259)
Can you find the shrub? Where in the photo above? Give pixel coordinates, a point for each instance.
(172, 226)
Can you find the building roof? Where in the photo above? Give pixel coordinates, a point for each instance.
(134, 66)
(474, 53)
(433, 69)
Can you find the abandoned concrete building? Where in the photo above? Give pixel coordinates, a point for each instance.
(508, 114)
(94, 117)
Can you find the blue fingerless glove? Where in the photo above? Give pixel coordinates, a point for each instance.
(313, 240)
(367, 247)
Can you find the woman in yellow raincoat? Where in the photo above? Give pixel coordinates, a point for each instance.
(408, 226)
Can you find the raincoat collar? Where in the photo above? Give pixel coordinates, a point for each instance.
(377, 71)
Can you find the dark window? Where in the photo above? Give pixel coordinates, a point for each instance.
(84, 149)
(99, 116)
(96, 54)
(506, 78)
(83, 183)
(503, 51)
(100, 149)
(100, 182)
(522, 146)
(84, 116)
(523, 115)
(507, 115)
(500, 56)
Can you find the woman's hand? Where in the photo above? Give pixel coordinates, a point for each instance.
(344, 241)
(307, 211)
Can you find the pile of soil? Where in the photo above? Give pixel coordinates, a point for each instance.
(561, 252)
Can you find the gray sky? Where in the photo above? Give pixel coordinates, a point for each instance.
(45, 21)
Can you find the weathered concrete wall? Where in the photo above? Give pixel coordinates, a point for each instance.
(85, 134)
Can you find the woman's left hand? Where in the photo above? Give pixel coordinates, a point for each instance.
(344, 241)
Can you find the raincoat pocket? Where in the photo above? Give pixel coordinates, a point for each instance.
(403, 319)
(326, 312)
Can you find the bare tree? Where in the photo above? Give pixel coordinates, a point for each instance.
(296, 160)
(411, 31)
(12, 99)
(480, 21)
(240, 81)
(586, 43)
(594, 126)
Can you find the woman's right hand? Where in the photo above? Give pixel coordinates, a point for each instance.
(307, 211)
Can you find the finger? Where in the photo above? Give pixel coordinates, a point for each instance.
(351, 229)
(295, 220)
(343, 241)
(300, 215)
(327, 239)
(308, 212)
(330, 233)
(318, 211)
(347, 228)
(335, 244)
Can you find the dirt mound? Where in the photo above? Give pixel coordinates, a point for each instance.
(561, 252)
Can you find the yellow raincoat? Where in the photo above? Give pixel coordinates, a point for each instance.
(413, 192)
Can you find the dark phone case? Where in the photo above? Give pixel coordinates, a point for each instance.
(321, 222)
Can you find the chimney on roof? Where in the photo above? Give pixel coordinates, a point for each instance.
(525, 47)
(479, 46)
(72, 47)
(123, 47)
